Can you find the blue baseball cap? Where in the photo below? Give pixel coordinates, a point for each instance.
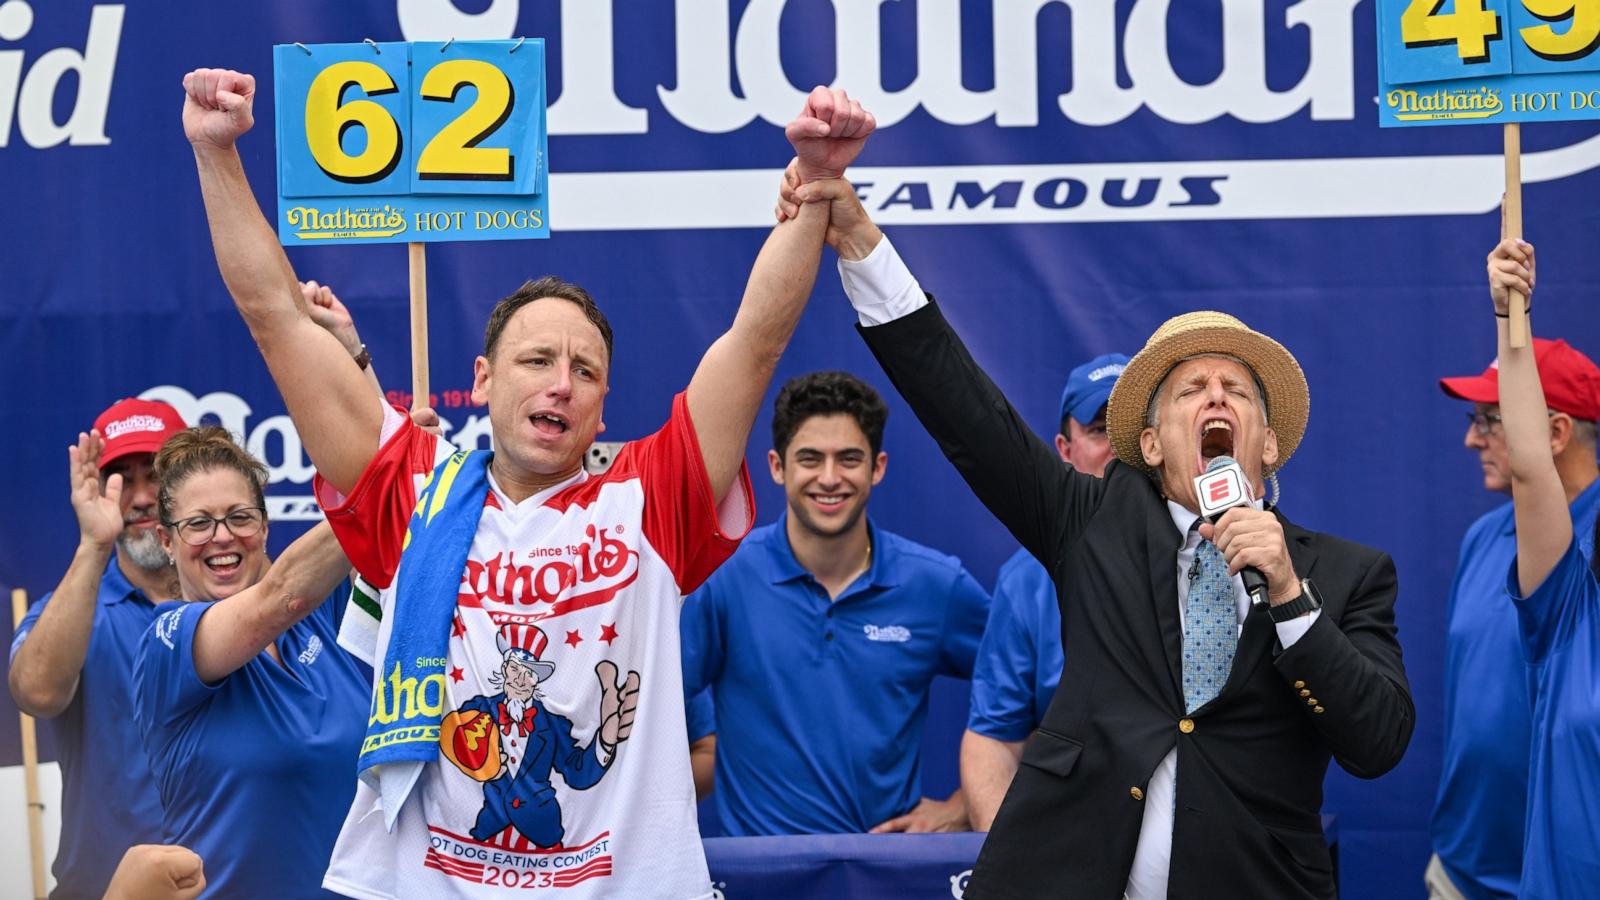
(1089, 387)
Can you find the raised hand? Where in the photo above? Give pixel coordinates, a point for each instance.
(217, 106)
(325, 309)
(1510, 269)
(618, 700)
(828, 134)
(99, 510)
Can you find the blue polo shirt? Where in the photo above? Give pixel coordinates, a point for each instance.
(700, 716)
(1560, 628)
(257, 771)
(820, 704)
(1020, 658)
(1481, 811)
(108, 799)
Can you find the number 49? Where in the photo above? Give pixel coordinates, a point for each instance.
(1471, 28)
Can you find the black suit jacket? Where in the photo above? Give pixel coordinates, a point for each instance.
(1251, 762)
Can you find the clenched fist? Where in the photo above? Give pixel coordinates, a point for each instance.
(217, 106)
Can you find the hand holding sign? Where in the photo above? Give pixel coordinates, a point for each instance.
(217, 106)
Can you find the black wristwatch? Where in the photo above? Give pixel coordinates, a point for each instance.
(1308, 600)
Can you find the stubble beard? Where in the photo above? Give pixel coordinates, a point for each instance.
(143, 549)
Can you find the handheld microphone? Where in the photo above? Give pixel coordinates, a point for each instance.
(1221, 488)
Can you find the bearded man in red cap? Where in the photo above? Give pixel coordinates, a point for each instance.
(1478, 816)
(72, 657)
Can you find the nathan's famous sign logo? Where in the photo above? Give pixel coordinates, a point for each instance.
(1444, 103)
(274, 441)
(334, 218)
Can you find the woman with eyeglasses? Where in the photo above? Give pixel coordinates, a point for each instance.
(1555, 585)
(250, 713)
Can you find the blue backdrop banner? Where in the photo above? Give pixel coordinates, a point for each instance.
(1064, 175)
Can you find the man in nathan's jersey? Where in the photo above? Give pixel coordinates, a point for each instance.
(597, 564)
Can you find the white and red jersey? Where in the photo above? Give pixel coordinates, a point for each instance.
(522, 794)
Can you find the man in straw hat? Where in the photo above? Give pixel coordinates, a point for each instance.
(1185, 755)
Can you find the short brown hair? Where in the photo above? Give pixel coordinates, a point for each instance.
(202, 449)
(548, 287)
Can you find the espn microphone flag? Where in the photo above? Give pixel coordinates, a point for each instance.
(1220, 488)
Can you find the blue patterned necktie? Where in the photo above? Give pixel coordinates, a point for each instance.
(1211, 627)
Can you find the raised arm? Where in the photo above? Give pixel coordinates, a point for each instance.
(45, 669)
(726, 390)
(1012, 471)
(1544, 524)
(238, 627)
(327, 397)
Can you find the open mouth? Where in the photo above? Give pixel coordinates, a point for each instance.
(548, 424)
(224, 563)
(1216, 439)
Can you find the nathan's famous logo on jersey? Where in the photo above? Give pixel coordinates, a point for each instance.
(275, 442)
(546, 582)
(1125, 84)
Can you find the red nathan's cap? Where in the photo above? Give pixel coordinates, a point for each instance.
(136, 426)
(1571, 381)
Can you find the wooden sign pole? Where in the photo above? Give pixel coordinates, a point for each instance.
(1517, 308)
(30, 770)
(419, 324)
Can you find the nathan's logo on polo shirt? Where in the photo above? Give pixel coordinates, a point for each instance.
(896, 634)
(134, 423)
(958, 884)
(559, 580)
(311, 652)
(167, 626)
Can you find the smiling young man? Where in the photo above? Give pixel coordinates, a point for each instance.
(822, 635)
(1480, 812)
(521, 536)
(1185, 753)
(72, 657)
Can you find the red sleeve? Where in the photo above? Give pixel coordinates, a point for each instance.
(681, 522)
(370, 522)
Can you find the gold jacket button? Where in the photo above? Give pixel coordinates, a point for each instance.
(1299, 684)
(1186, 725)
(1304, 692)
(1312, 701)
(1135, 793)
(1317, 710)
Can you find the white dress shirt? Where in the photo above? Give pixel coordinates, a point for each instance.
(882, 289)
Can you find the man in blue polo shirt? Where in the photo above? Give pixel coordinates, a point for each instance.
(822, 635)
(1480, 814)
(72, 657)
(1020, 658)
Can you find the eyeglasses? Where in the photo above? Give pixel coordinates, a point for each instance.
(1486, 423)
(242, 523)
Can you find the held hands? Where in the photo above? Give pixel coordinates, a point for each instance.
(851, 232)
(828, 133)
(1253, 537)
(618, 700)
(325, 309)
(217, 106)
(929, 815)
(1511, 268)
(99, 510)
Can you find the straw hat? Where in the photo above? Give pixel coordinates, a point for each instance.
(1193, 334)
